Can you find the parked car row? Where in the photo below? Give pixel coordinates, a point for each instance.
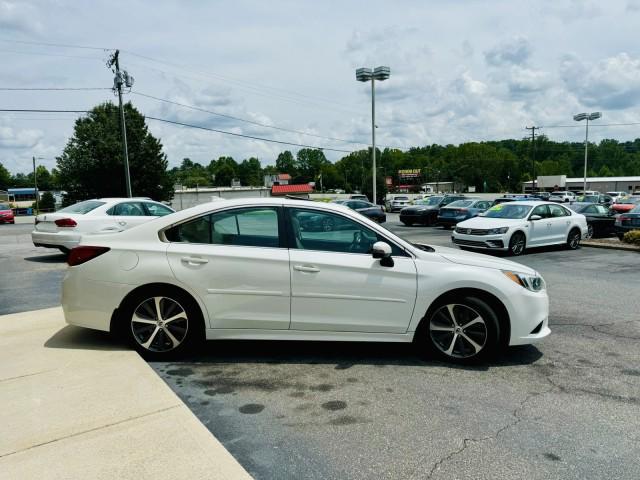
(6, 214)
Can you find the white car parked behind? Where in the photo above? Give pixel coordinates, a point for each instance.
(563, 196)
(260, 269)
(64, 228)
(515, 226)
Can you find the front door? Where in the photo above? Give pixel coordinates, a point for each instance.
(336, 285)
(539, 230)
(237, 264)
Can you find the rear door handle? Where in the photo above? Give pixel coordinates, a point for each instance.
(195, 260)
(303, 268)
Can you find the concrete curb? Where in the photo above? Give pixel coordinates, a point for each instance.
(626, 248)
(77, 406)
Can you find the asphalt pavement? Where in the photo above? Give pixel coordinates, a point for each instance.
(568, 408)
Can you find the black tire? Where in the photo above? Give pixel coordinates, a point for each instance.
(573, 239)
(442, 338)
(517, 244)
(590, 231)
(620, 236)
(187, 331)
(408, 224)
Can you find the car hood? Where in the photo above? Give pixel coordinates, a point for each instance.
(486, 222)
(481, 260)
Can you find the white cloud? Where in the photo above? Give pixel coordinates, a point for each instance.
(11, 138)
(515, 51)
(19, 17)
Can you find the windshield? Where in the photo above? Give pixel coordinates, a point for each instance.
(82, 207)
(578, 207)
(461, 203)
(429, 201)
(508, 210)
(635, 210)
(589, 198)
(4, 207)
(401, 198)
(629, 200)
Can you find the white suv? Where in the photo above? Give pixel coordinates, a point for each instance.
(564, 196)
(515, 226)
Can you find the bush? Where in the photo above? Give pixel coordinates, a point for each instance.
(632, 237)
(47, 202)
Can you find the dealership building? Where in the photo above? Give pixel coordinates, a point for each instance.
(599, 184)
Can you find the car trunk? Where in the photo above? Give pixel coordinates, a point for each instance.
(47, 222)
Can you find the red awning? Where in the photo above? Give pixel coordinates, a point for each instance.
(291, 189)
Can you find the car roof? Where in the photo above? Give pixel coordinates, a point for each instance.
(533, 203)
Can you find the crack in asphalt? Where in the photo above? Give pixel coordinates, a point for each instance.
(471, 441)
(595, 329)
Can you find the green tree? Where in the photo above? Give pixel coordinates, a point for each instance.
(250, 172)
(5, 178)
(285, 163)
(47, 202)
(92, 165)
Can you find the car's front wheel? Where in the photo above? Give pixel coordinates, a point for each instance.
(589, 232)
(517, 244)
(162, 323)
(461, 330)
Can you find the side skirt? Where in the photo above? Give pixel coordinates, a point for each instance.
(303, 335)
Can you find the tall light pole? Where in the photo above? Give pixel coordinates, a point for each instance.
(578, 118)
(365, 75)
(35, 183)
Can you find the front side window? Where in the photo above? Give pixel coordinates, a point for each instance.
(248, 227)
(330, 232)
(541, 210)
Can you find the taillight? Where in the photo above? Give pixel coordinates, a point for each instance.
(462, 210)
(622, 218)
(66, 222)
(80, 255)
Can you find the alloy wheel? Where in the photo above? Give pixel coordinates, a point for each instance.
(589, 231)
(159, 324)
(458, 331)
(574, 240)
(517, 245)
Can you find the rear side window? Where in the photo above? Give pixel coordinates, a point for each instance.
(157, 210)
(249, 227)
(82, 207)
(128, 209)
(558, 211)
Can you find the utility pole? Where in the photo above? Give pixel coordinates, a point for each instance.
(533, 156)
(35, 185)
(122, 78)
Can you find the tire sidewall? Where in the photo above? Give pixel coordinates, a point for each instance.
(573, 232)
(511, 241)
(426, 345)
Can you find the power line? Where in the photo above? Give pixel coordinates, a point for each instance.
(20, 89)
(283, 129)
(281, 142)
(61, 45)
(47, 54)
(592, 125)
(41, 110)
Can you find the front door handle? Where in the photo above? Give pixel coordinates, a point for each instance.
(307, 269)
(195, 260)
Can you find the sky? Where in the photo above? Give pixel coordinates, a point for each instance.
(465, 70)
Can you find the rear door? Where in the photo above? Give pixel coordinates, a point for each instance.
(237, 263)
(336, 285)
(560, 221)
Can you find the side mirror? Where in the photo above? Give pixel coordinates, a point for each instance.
(535, 217)
(382, 250)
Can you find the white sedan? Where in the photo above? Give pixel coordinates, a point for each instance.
(515, 226)
(64, 228)
(252, 269)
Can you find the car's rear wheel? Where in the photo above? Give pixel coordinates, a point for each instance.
(573, 239)
(162, 322)
(407, 223)
(461, 330)
(589, 231)
(517, 244)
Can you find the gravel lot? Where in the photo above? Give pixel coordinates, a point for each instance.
(568, 408)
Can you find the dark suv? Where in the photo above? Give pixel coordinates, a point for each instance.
(425, 211)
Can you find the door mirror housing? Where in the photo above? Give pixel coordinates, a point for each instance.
(535, 217)
(381, 250)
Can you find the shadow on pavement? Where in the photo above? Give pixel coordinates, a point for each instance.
(78, 338)
(51, 258)
(342, 354)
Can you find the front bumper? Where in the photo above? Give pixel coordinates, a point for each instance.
(529, 314)
(487, 242)
(66, 240)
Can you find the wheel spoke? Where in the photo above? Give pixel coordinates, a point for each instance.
(453, 317)
(438, 328)
(148, 343)
(156, 301)
(449, 350)
(176, 317)
(173, 339)
(473, 322)
(473, 344)
(138, 319)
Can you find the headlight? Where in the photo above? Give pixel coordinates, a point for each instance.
(535, 283)
(496, 231)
